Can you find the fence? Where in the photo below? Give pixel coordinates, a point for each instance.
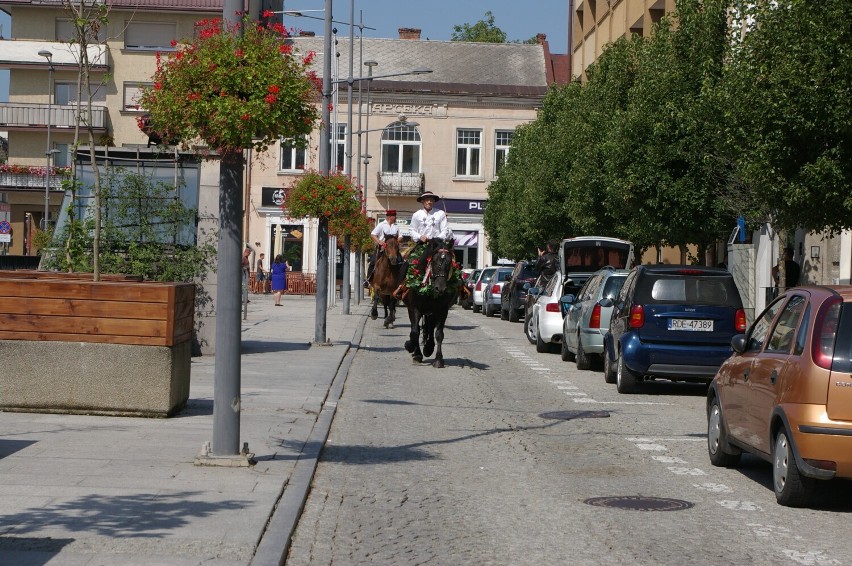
(298, 283)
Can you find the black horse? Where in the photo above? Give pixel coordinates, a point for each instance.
(429, 303)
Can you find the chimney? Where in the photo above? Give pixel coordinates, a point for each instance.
(409, 33)
(541, 38)
(303, 33)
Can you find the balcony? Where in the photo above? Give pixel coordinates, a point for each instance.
(400, 184)
(33, 117)
(21, 177)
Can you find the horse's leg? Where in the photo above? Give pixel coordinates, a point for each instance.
(374, 312)
(388, 303)
(439, 338)
(413, 342)
(429, 334)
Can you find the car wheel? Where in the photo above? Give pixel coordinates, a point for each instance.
(583, 361)
(717, 438)
(486, 309)
(566, 354)
(608, 370)
(527, 329)
(504, 314)
(625, 380)
(476, 308)
(792, 489)
(541, 346)
(513, 313)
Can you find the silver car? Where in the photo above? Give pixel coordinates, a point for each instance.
(480, 286)
(586, 320)
(492, 293)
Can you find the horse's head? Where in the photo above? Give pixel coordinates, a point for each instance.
(392, 249)
(440, 263)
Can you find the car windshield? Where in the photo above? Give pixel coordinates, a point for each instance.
(503, 276)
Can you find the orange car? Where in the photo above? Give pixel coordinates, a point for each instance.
(785, 394)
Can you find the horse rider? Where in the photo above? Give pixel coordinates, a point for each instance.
(383, 229)
(426, 224)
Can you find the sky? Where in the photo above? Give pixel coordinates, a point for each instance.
(436, 18)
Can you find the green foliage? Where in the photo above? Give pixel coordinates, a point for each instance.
(146, 230)
(787, 115)
(483, 31)
(232, 90)
(330, 196)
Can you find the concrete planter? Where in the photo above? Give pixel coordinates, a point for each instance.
(116, 347)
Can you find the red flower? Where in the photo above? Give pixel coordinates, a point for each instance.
(285, 49)
(270, 98)
(245, 117)
(173, 43)
(274, 89)
(238, 53)
(268, 13)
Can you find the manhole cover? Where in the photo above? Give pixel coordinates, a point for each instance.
(639, 503)
(570, 415)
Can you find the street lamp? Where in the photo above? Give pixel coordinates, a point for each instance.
(49, 56)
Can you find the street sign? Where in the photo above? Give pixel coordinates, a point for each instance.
(5, 238)
(5, 227)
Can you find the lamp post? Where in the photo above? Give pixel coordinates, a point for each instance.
(49, 56)
(324, 166)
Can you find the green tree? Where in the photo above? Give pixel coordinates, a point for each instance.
(483, 31)
(787, 121)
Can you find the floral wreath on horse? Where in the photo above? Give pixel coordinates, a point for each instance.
(418, 278)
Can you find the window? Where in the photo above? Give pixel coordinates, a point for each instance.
(400, 149)
(61, 158)
(760, 328)
(65, 31)
(132, 94)
(149, 36)
(292, 155)
(783, 334)
(468, 152)
(66, 93)
(338, 148)
(502, 141)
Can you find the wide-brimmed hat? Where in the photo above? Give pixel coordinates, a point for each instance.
(428, 194)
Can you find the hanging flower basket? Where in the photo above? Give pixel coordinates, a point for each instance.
(323, 196)
(232, 90)
(357, 227)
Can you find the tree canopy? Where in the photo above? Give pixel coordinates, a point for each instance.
(483, 31)
(672, 136)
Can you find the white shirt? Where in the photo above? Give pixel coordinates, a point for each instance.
(384, 229)
(432, 224)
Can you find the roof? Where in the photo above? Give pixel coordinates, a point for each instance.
(457, 67)
(171, 5)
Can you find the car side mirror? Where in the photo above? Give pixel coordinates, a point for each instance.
(738, 343)
(567, 300)
(606, 302)
(527, 286)
(534, 291)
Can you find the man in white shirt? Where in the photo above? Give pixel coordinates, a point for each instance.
(383, 229)
(426, 224)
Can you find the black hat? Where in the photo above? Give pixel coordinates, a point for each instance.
(428, 194)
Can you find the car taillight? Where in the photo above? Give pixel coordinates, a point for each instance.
(637, 316)
(825, 331)
(479, 286)
(495, 290)
(595, 318)
(553, 307)
(740, 320)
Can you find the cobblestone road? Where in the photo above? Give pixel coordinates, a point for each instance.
(465, 465)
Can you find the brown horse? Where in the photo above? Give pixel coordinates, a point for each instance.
(384, 281)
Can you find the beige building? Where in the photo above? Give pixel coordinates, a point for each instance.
(446, 131)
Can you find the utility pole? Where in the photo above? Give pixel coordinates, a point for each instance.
(324, 166)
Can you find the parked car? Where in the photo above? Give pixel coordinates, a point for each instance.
(492, 292)
(586, 321)
(785, 394)
(513, 295)
(470, 283)
(543, 322)
(673, 322)
(479, 287)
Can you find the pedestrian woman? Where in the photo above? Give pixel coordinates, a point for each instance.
(278, 278)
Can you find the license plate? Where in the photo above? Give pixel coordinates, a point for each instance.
(691, 325)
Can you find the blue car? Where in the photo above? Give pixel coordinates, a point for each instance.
(672, 322)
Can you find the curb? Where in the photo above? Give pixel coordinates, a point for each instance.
(275, 540)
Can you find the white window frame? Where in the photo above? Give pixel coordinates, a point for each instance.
(295, 153)
(132, 92)
(69, 96)
(338, 148)
(501, 149)
(405, 138)
(149, 36)
(468, 153)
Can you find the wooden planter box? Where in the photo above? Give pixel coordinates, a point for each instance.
(118, 346)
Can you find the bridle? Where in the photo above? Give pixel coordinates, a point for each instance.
(438, 267)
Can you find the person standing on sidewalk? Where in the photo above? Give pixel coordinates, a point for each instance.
(260, 275)
(278, 277)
